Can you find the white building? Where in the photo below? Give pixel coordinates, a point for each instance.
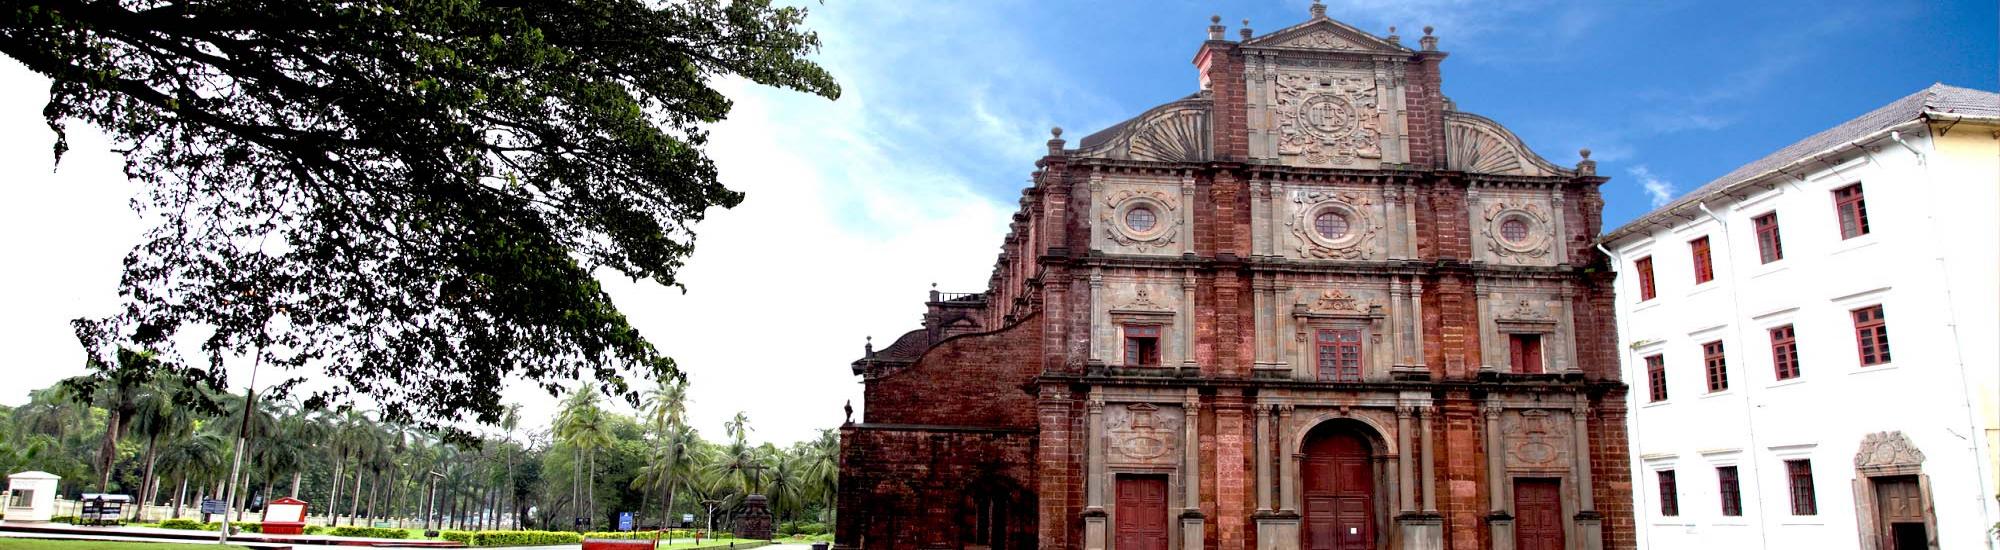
(1811, 340)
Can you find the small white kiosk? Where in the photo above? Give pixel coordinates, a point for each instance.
(31, 496)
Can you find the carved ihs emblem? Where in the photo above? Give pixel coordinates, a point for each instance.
(1534, 439)
(1140, 436)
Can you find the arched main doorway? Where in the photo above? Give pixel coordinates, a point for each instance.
(1338, 496)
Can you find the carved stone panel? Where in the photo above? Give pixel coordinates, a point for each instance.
(1141, 219)
(1141, 434)
(1327, 119)
(1887, 450)
(1335, 224)
(1516, 231)
(1536, 440)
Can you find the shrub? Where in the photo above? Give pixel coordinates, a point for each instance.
(314, 530)
(368, 532)
(524, 538)
(181, 523)
(461, 537)
(801, 528)
(65, 519)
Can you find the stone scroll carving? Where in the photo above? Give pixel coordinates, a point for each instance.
(1143, 434)
(1536, 241)
(1881, 450)
(1167, 225)
(1536, 440)
(1142, 301)
(1354, 209)
(1328, 119)
(1321, 39)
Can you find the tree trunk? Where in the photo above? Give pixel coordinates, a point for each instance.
(295, 483)
(592, 489)
(181, 496)
(374, 486)
(242, 490)
(333, 492)
(146, 481)
(354, 502)
(107, 454)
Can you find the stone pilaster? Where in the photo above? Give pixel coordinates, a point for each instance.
(1589, 523)
(1191, 518)
(1186, 318)
(1095, 522)
(1279, 529)
(1499, 517)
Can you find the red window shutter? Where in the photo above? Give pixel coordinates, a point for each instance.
(1339, 355)
(1784, 353)
(1731, 490)
(1804, 501)
(1656, 378)
(1871, 335)
(1716, 366)
(1704, 271)
(1645, 268)
(1852, 211)
(1670, 494)
(1769, 249)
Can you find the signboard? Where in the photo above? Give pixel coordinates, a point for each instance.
(687, 520)
(624, 521)
(213, 506)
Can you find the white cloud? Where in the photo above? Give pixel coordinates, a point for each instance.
(1658, 189)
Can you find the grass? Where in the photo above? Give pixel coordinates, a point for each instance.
(689, 543)
(48, 544)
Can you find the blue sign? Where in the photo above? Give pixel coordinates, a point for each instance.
(624, 521)
(213, 506)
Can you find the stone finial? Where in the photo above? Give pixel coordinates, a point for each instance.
(1429, 42)
(1215, 27)
(1246, 33)
(868, 349)
(1393, 39)
(1055, 148)
(1586, 167)
(1318, 10)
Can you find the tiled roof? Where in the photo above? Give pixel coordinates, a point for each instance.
(1938, 98)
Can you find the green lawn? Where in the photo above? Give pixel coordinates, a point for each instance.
(46, 544)
(689, 543)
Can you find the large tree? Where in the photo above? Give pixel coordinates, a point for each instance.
(410, 195)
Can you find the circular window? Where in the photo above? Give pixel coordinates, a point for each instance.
(1514, 230)
(1331, 225)
(1141, 219)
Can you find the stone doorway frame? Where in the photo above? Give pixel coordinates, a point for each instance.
(1888, 454)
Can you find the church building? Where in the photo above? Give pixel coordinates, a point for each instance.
(1312, 304)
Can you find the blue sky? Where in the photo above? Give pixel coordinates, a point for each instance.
(1677, 92)
(855, 207)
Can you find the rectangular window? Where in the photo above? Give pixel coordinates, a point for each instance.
(1784, 353)
(1852, 210)
(1645, 268)
(1142, 345)
(1670, 494)
(1704, 271)
(1804, 502)
(1525, 351)
(1339, 355)
(1871, 334)
(1732, 491)
(1768, 247)
(1716, 367)
(1656, 377)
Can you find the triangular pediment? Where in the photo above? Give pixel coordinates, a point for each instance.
(1324, 34)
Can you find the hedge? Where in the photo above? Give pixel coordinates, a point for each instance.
(368, 532)
(181, 523)
(648, 535)
(461, 537)
(186, 524)
(524, 538)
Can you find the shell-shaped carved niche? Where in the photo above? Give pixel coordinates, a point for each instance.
(1175, 132)
(1478, 145)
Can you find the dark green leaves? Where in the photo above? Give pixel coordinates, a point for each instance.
(409, 195)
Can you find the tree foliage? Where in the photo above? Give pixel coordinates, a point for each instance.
(410, 195)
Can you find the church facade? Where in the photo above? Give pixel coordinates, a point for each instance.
(1312, 305)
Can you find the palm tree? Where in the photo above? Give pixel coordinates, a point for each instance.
(156, 415)
(197, 457)
(582, 426)
(822, 468)
(510, 421)
(116, 389)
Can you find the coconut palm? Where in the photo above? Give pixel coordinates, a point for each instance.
(115, 389)
(198, 457)
(158, 416)
(582, 426)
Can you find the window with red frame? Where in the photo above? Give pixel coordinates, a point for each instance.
(1142, 345)
(1871, 335)
(1525, 353)
(1339, 355)
(1645, 268)
(1656, 378)
(1804, 502)
(1716, 367)
(1852, 210)
(1768, 247)
(1784, 353)
(1731, 489)
(1704, 269)
(1670, 494)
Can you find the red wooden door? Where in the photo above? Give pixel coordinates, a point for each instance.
(1901, 505)
(1339, 494)
(1538, 521)
(1142, 513)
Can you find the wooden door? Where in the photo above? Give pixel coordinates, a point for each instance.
(1900, 512)
(1339, 493)
(1142, 513)
(1538, 523)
